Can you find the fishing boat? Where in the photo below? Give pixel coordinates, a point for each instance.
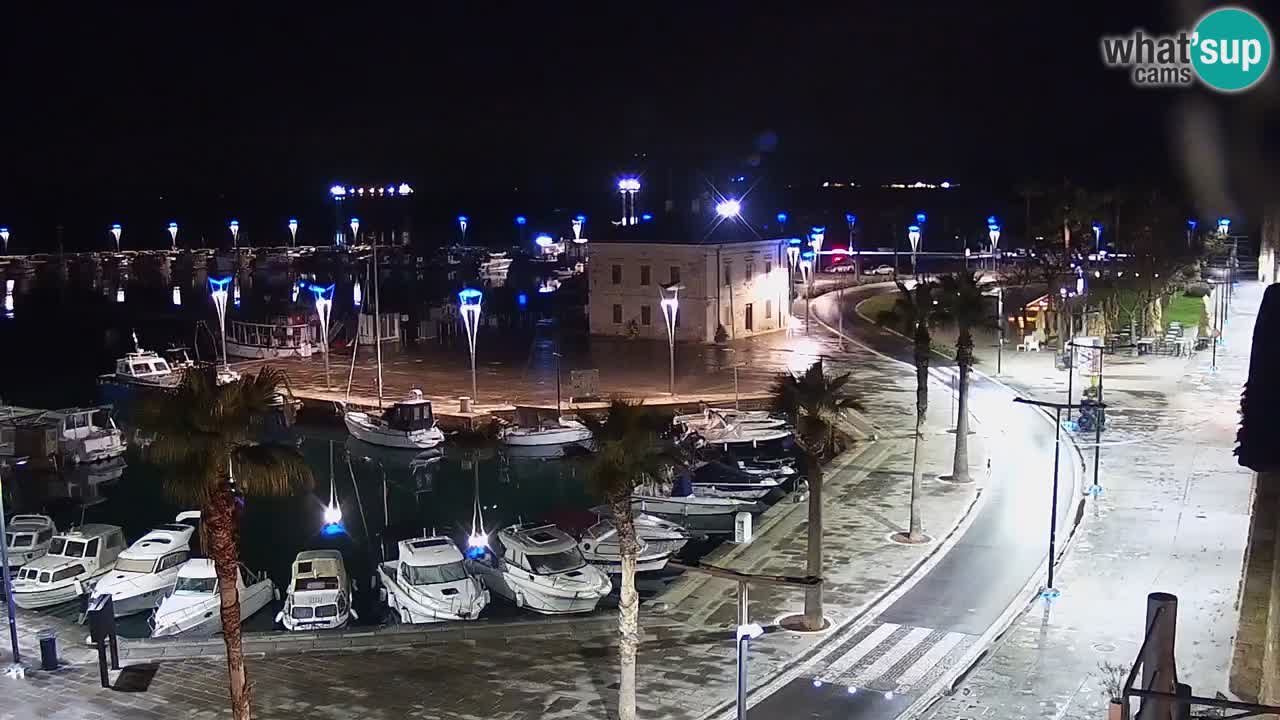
(27, 538)
(143, 369)
(407, 424)
(193, 606)
(430, 582)
(147, 570)
(82, 435)
(716, 479)
(75, 561)
(601, 547)
(320, 593)
(279, 337)
(539, 567)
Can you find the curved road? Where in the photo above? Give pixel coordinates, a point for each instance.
(880, 670)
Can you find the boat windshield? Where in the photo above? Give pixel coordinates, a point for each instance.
(319, 583)
(19, 541)
(432, 574)
(67, 548)
(135, 565)
(196, 585)
(562, 561)
(55, 548)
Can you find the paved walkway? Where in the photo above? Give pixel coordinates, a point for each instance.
(559, 675)
(1173, 517)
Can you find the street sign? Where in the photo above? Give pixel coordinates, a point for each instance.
(584, 383)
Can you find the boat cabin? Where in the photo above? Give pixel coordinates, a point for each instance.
(430, 560)
(282, 334)
(144, 365)
(319, 570)
(539, 549)
(81, 551)
(28, 537)
(411, 414)
(166, 546)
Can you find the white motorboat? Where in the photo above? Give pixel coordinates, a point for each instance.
(687, 505)
(539, 567)
(407, 424)
(27, 538)
(716, 479)
(561, 430)
(84, 435)
(320, 593)
(769, 467)
(659, 534)
(144, 369)
(726, 416)
(601, 547)
(193, 606)
(431, 583)
(75, 561)
(147, 570)
(722, 432)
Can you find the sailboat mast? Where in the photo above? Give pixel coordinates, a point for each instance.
(377, 318)
(558, 413)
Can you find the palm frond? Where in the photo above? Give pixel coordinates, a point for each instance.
(270, 470)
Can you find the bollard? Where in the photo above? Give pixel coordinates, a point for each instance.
(102, 630)
(48, 649)
(1158, 670)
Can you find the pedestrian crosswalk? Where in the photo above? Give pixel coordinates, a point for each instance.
(889, 657)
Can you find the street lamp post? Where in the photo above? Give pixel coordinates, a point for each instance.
(4, 241)
(782, 223)
(116, 230)
(218, 291)
(670, 309)
(293, 232)
(806, 271)
(324, 304)
(817, 234)
(463, 221)
(1191, 230)
(852, 220)
(629, 187)
(993, 234)
(1097, 236)
(355, 231)
(469, 300)
(1049, 592)
(913, 235)
(4, 563)
(173, 236)
(234, 226)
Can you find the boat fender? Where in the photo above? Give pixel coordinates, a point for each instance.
(280, 617)
(354, 615)
(275, 593)
(79, 587)
(519, 599)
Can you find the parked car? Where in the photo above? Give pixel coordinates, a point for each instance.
(881, 270)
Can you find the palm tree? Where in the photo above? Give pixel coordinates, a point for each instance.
(915, 309)
(207, 435)
(629, 451)
(960, 301)
(811, 402)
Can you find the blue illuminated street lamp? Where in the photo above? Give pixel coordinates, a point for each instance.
(469, 300)
(293, 231)
(218, 291)
(355, 231)
(521, 221)
(116, 230)
(4, 238)
(993, 234)
(851, 221)
(782, 223)
(1191, 230)
(1097, 236)
(173, 236)
(463, 220)
(817, 234)
(234, 226)
(324, 305)
(913, 236)
(1224, 227)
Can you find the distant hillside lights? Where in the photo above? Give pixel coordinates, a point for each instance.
(341, 192)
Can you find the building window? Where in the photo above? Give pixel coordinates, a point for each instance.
(751, 271)
(768, 309)
(728, 276)
(675, 274)
(617, 274)
(617, 313)
(749, 321)
(646, 315)
(768, 268)
(644, 274)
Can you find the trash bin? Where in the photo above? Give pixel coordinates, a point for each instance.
(464, 404)
(48, 649)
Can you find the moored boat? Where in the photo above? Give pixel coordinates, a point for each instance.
(429, 582)
(74, 562)
(147, 570)
(192, 608)
(540, 568)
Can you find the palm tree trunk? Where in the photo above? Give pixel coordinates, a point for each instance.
(922, 342)
(964, 360)
(914, 529)
(224, 536)
(628, 609)
(813, 595)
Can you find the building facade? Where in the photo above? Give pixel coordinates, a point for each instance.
(740, 286)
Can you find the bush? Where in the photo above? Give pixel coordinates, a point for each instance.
(1197, 290)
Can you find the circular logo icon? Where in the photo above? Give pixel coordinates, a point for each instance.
(1231, 50)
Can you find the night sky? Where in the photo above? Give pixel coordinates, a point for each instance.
(104, 106)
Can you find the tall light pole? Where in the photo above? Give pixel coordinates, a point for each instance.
(293, 232)
(993, 234)
(324, 304)
(116, 230)
(463, 221)
(4, 563)
(355, 231)
(793, 261)
(1097, 236)
(817, 234)
(4, 238)
(218, 291)
(670, 309)
(806, 271)
(521, 221)
(469, 300)
(234, 227)
(782, 223)
(913, 236)
(629, 187)
(173, 236)
(852, 221)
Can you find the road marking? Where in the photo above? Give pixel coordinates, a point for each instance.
(866, 645)
(934, 655)
(885, 662)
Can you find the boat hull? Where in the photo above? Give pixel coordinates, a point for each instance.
(418, 609)
(520, 437)
(30, 597)
(690, 505)
(363, 428)
(206, 618)
(257, 352)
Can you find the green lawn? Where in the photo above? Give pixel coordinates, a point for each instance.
(873, 306)
(1186, 310)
